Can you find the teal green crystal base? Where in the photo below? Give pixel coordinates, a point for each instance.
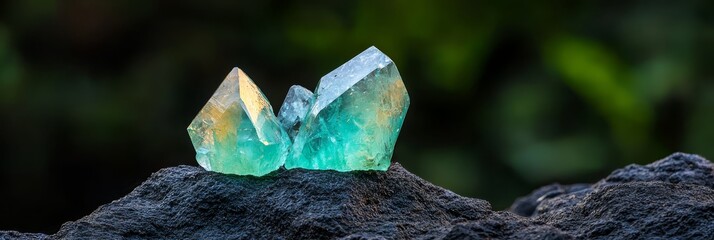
(237, 132)
(350, 123)
(355, 117)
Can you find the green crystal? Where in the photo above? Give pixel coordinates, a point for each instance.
(355, 117)
(237, 132)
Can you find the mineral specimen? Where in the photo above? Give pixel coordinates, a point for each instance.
(294, 108)
(237, 132)
(355, 117)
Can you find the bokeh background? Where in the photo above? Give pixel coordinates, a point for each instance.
(506, 95)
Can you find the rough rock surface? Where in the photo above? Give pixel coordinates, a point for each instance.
(670, 198)
(189, 202)
(526, 206)
(19, 235)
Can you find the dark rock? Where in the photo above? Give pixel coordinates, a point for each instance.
(677, 168)
(505, 225)
(526, 206)
(639, 210)
(23, 236)
(189, 202)
(363, 236)
(669, 198)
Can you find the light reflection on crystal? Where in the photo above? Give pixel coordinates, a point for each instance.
(351, 122)
(236, 131)
(294, 108)
(355, 119)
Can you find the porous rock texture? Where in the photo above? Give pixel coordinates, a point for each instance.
(190, 203)
(670, 198)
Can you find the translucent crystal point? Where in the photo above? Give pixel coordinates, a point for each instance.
(355, 117)
(294, 108)
(237, 132)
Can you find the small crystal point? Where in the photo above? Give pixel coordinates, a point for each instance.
(294, 108)
(355, 117)
(237, 132)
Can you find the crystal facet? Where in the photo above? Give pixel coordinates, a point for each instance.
(355, 117)
(237, 132)
(294, 108)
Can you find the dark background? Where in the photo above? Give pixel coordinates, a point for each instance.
(505, 95)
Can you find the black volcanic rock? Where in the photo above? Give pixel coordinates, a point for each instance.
(189, 202)
(670, 198)
(19, 235)
(505, 225)
(639, 210)
(526, 206)
(680, 168)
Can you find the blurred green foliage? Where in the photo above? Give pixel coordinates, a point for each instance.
(506, 95)
(597, 75)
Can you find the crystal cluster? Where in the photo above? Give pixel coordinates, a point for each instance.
(351, 122)
(355, 118)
